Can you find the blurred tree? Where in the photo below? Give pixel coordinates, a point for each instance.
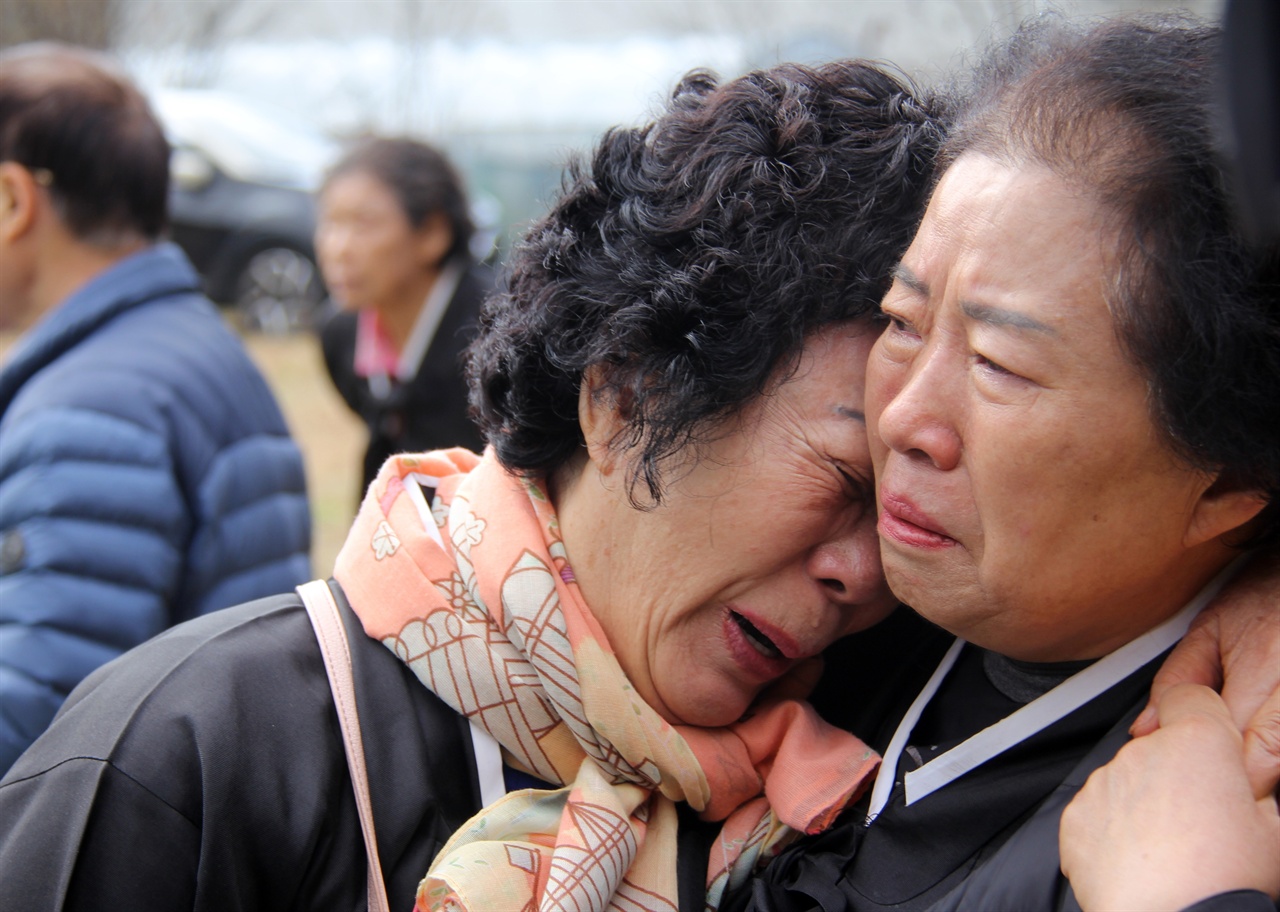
(91, 23)
(193, 35)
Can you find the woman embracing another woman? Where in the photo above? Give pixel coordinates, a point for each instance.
(579, 630)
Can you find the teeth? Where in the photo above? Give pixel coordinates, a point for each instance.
(762, 643)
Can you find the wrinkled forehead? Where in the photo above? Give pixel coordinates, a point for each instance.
(1006, 206)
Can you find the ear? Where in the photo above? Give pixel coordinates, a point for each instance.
(435, 237)
(1224, 508)
(19, 202)
(601, 418)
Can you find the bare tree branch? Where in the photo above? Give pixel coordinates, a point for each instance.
(91, 23)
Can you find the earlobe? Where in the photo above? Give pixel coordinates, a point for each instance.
(1224, 511)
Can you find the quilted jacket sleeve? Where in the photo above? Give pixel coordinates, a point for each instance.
(93, 530)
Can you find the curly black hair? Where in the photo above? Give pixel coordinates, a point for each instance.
(693, 256)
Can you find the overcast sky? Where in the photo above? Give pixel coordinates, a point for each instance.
(439, 67)
(512, 88)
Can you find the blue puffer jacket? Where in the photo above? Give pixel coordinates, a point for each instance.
(146, 477)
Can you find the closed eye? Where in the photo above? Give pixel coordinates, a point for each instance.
(995, 370)
(858, 487)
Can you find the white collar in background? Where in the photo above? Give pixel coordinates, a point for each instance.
(429, 317)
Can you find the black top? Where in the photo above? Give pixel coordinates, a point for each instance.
(988, 840)
(429, 412)
(205, 770)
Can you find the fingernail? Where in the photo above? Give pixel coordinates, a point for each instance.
(1147, 719)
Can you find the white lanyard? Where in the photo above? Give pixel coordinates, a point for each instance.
(1037, 715)
(488, 752)
(493, 783)
(415, 482)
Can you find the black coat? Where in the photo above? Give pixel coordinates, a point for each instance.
(428, 412)
(987, 841)
(205, 771)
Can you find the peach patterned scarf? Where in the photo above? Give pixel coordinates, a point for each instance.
(479, 599)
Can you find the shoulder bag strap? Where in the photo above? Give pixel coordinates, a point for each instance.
(327, 621)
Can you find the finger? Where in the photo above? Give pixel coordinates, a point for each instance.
(1262, 748)
(1252, 672)
(1195, 660)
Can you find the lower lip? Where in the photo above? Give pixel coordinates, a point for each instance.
(751, 660)
(897, 529)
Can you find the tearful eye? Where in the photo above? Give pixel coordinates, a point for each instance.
(857, 487)
(994, 369)
(899, 329)
(900, 325)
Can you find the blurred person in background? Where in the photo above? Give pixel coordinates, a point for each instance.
(146, 473)
(393, 242)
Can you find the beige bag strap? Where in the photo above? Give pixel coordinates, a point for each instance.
(327, 621)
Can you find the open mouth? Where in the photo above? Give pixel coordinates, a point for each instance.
(762, 643)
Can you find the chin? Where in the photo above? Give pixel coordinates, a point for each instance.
(712, 710)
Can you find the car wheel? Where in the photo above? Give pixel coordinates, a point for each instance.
(278, 291)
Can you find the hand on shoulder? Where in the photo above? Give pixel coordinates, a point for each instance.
(1174, 818)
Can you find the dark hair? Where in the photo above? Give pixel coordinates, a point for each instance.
(69, 112)
(1125, 109)
(422, 179)
(693, 256)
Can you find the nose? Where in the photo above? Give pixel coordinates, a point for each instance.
(848, 569)
(921, 414)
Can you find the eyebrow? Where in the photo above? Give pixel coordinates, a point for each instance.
(982, 313)
(999, 316)
(904, 275)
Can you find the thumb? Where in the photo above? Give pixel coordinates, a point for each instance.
(1182, 701)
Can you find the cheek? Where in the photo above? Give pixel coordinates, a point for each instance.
(1074, 494)
(372, 252)
(884, 381)
(1024, 484)
(326, 246)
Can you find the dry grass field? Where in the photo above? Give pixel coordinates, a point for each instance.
(331, 438)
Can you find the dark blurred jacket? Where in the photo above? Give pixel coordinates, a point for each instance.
(146, 477)
(206, 772)
(429, 412)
